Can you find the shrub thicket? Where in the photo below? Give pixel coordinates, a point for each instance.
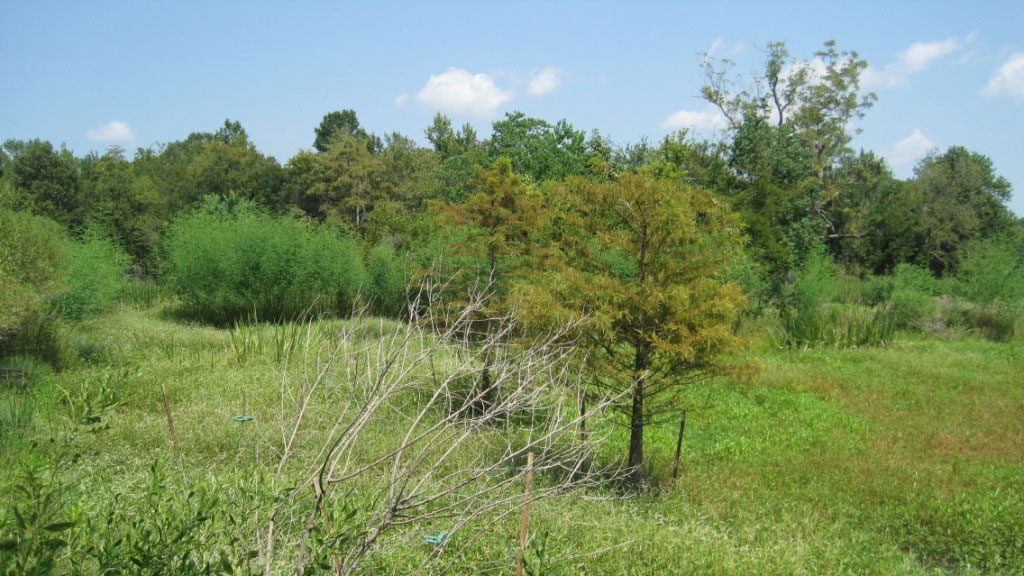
(33, 257)
(992, 276)
(94, 278)
(32, 260)
(388, 281)
(912, 300)
(810, 318)
(230, 261)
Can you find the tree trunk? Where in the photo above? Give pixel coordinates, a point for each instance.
(485, 398)
(486, 394)
(636, 419)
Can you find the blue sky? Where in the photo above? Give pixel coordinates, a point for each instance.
(93, 74)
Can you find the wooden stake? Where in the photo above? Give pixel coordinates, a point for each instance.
(583, 415)
(679, 445)
(170, 416)
(524, 519)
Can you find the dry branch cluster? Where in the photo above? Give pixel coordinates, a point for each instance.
(404, 439)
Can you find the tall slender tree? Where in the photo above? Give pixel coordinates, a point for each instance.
(644, 262)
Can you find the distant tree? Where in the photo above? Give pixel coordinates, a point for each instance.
(963, 200)
(703, 164)
(231, 132)
(48, 179)
(235, 167)
(493, 248)
(448, 142)
(5, 161)
(644, 263)
(817, 99)
(540, 150)
(407, 172)
(341, 184)
(454, 177)
(865, 209)
(216, 163)
(773, 168)
(343, 123)
(124, 204)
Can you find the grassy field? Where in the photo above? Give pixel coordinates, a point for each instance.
(907, 459)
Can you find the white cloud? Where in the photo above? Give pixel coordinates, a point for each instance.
(708, 119)
(719, 44)
(113, 131)
(458, 91)
(1008, 79)
(402, 99)
(545, 82)
(715, 47)
(910, 149)
(919, 56)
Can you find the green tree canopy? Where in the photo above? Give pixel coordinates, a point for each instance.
(963, 199)
(342, 123)
(48, 178)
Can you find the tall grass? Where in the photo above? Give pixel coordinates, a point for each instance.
(810, 318)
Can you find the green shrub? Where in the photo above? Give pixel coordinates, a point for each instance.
(33, 255)
(910, 308)
(233, 262)
(142, 293)
(840, 326)
(753, 278)
(992, 276)
(875, 290)
(94, 278)
(915, 278)
(992, 270)
(388, 281)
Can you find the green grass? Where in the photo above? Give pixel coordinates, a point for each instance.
(907, 459)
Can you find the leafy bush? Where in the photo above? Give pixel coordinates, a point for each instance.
(841, 327)
(32, 260)
(992, 276)
(915, 278)
(752, 276)
(909, 308)
(388, 280)
(186, 530)
(230, 261)
(94, 278)
(912, 300)
(142, 293)
(992, 270)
